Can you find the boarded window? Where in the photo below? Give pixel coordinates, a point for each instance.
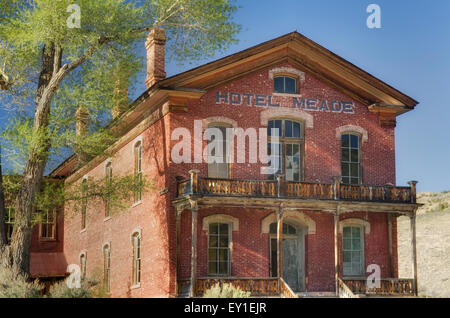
(83, 265)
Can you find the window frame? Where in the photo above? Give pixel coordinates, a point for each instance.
(108, 176)
(84, 203)
(361, 250)
(137, 149)
(284, 76)
(44, 222)
(107, 267)
(350, 162)
(218, 248)
(83, 265)
(227, 151)
(284, 141)
(9, 225)
(137, 260)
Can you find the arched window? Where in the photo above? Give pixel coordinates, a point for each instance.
(219, 258)
(287, 150)
(138, 171)
(107, 267)
(287, 229)
(84, 202)
(83, 264)
(353, 250)
(350, 158)
(108, 171)
(136, 241)
(285, 84)
(218, 164)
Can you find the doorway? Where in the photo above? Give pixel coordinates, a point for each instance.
(292, 253)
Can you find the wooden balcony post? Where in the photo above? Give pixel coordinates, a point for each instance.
(279, 184)
(336, 250)
(412, 184)
(194, 211)
(178, 211)
(336, 187)
(413, 250)
(280, 244)
(194, 180)
(391, 258)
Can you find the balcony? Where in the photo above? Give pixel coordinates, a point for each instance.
(279, 189)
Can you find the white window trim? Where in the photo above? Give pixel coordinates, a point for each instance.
(355, 222)
(220, 218)
(137, 231)
(349, 129)
(289, 70)
(295, 216)
(287, 113)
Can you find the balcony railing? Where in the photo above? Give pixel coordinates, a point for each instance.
(387, 287)
(298, 190)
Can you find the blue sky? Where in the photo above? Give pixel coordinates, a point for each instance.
(411, 52)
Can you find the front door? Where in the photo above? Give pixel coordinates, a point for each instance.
(291, 262)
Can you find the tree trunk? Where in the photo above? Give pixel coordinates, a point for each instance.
(35, 166)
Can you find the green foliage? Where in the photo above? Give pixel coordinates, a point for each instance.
(443, 206)
(12, 286)
(61, 290)
(226, 291)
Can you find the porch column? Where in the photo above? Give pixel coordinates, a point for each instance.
(178, 211)
(391, 258)
(194, 211)
(280, 243)
(412, 219)
(336, 249)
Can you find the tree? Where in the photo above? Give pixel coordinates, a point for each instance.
(49, 71)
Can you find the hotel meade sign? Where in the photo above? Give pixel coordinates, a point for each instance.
(308, 104)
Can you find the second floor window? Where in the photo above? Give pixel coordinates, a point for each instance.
(48, 225)
(138, 171)
(84, 202)
(218, 167)
(219, 260)
(350, 159)
(288, 148)
(9, 222)
(108, 186)
(285, 84)
(83, 265)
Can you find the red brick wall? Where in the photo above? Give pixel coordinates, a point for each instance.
(155, 216)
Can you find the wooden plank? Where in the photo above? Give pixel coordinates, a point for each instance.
(194, 212)
(336, 250)
(414, 251)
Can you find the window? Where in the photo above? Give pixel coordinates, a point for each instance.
(138, 171)
(107, 267)
(83, 265)
(285, 84)
(352, 250)
(219, 167)
(288, 149)
(289, 231)
(9, 222)
(350, 159)
(109, 187)
(84, 202)
(136, 239)
(48, 225)
(219, 249)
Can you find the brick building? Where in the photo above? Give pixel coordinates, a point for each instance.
(312, 224)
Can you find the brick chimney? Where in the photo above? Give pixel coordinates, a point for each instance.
(81, 131)
(155, 56)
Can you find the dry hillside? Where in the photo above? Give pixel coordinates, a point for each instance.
(433, 245)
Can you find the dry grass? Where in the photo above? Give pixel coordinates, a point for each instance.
(433, 245)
